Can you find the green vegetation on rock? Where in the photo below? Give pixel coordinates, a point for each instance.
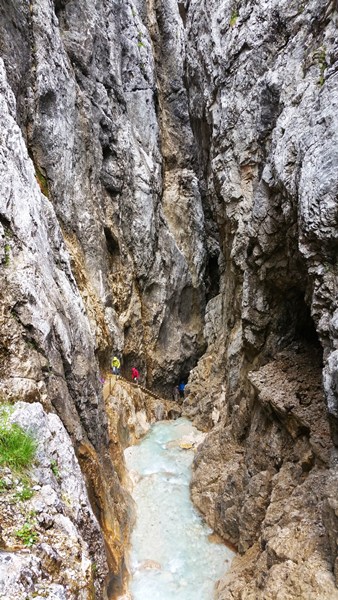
(27, 534)
(7, 254)
(17, 448)
(233, 18)
(54, 467)
(25, 493)
(42, 181)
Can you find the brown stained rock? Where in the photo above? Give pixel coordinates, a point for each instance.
(131, 409)
(291, 387)
(51, 561)
(292, 558)
(266, 493)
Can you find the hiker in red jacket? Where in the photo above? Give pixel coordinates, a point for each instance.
(135, 375)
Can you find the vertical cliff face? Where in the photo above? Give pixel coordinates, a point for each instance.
(262, 81)
(88, 103)
(101, 221)
(168, 191)
(47, 347)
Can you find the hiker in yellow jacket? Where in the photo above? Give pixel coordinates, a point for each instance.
(115, 363)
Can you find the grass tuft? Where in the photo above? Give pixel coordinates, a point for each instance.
(17, 448)
(233, 18)
(27, 534)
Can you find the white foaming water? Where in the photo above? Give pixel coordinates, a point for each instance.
(171, 556)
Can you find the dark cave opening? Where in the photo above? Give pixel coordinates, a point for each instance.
(112, 243)
(294, 322)
(305, 328)
(212, 278)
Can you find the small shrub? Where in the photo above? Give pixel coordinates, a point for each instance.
(233, 18)
(7, 254)
(17, 448)
(24, 494)
(27, 534)
(54, 467)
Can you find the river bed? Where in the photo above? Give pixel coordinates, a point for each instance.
(171, 557)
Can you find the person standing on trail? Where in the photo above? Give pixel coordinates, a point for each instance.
(135, 375)
(176, 393)
(181, 389)
(115, 363)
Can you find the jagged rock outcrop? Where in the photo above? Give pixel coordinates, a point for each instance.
(50, 507)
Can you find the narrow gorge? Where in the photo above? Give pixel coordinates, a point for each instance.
(169, 195)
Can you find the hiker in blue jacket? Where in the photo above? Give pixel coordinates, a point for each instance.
(181, 388)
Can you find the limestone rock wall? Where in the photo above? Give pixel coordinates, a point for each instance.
(47, 347)
(262, 81)
(112, 147)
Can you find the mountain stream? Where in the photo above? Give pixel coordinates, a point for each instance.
(172, 554)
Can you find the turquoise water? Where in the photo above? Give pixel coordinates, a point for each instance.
(171, 556)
